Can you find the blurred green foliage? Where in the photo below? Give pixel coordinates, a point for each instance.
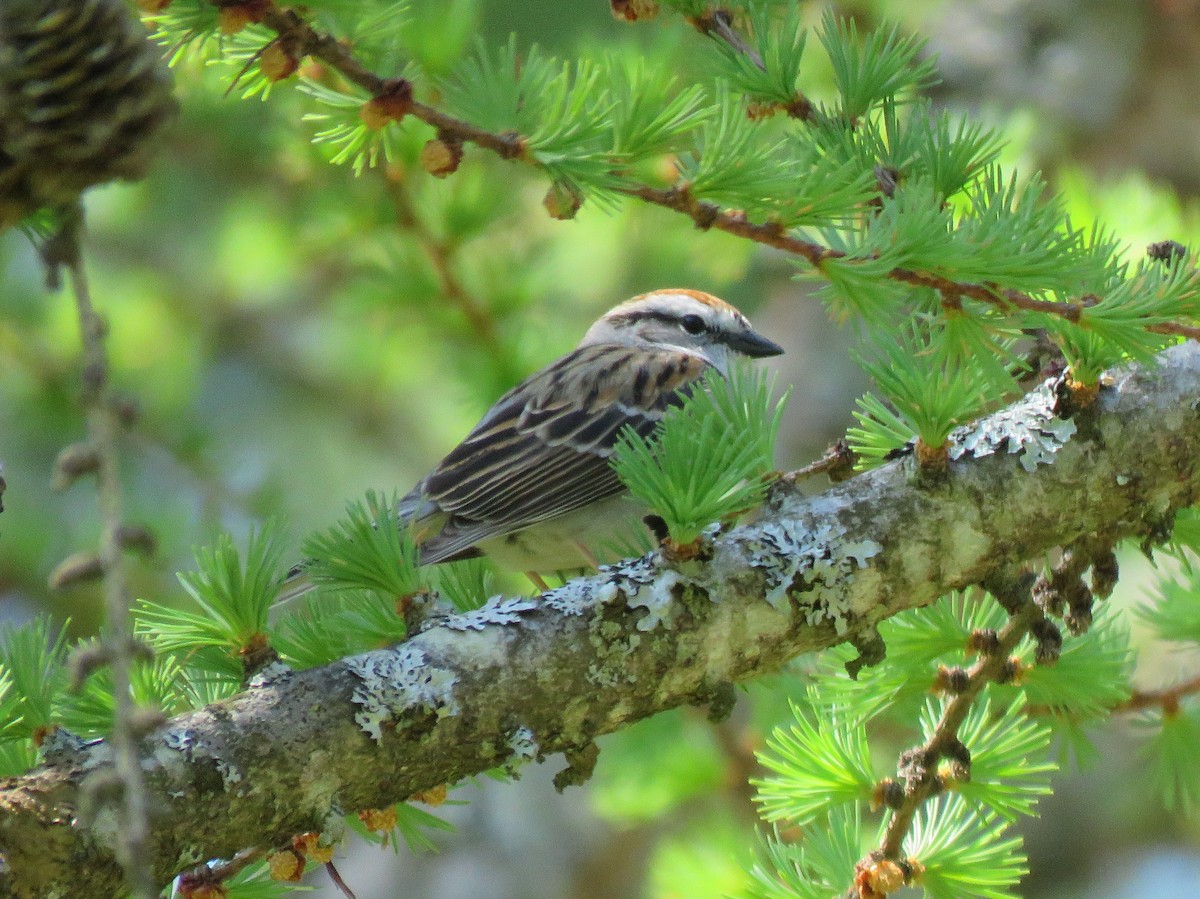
(294, 332)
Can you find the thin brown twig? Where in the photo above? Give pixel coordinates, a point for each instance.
(336, 877)
(718, 25)
(1166, 698)
(438, 252)
(104, 428)
(308, 41)
(837, 462)
(1175, 329)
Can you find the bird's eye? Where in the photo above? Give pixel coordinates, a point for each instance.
(693, 324)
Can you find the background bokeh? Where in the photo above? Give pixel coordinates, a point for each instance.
(293, 335)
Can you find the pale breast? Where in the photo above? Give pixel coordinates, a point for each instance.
(601, 532)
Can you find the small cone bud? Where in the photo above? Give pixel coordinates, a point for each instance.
(886, 876)
(634, 10)
(390, 106)
(232, 19)
(562, 201)
(78, 568)
(441, 157)
(277, 62)
(74, 462)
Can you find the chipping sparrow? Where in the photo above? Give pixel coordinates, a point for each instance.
(531, 486)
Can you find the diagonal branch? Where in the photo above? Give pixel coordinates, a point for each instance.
(524, 678)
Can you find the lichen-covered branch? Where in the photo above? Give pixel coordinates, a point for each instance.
(523, 678)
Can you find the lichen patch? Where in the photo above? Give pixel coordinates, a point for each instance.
(1030, 428)
(816, 563)
(399, 681)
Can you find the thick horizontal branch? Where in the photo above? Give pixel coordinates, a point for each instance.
(523, 678)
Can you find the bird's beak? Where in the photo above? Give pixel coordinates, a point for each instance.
(753, 344)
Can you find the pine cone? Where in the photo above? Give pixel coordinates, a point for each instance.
(83, 95)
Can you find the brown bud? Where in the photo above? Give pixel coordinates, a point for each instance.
(233, 18)
(257, 653)
(984, 641)
(757, 110)
(951, 680)
(85, 660)
(1011, 672)
(1081, 393)
(864, 877)
(440, 157)
(1048, 647)
(391, 105)
(153, 6)
(562, 201)
(888, 793)
(1079, 617)
(634, 10)
(137, 538)
(73, 462)
(932, 458)
(1105, 572)
(958, 761)
(76, 568)
(278, 62)
(885, 876)
(126, 409)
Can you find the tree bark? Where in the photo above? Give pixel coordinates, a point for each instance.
(523, 678)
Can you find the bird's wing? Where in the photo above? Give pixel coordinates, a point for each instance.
(543, 449)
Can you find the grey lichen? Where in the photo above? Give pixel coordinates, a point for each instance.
(577, 596)
(188, 746)
(523, 747)
(816, 563)
(657, 598)
(62, 747)
(397, 681)
(1031, 427)
(497, 610)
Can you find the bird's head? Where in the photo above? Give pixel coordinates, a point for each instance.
(683, 319)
